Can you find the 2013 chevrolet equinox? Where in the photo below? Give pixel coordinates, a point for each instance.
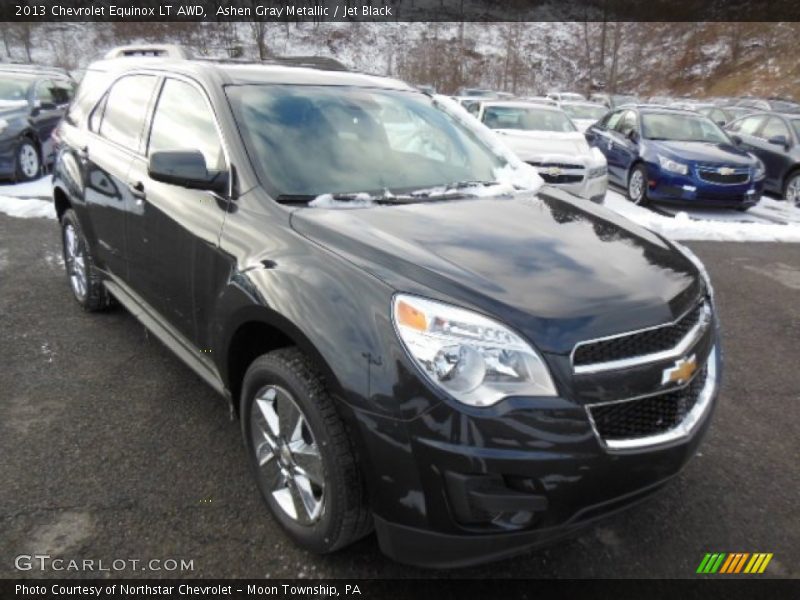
(468, 366)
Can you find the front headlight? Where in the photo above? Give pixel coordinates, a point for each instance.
(600, 171)
(697, 263)
(759, 172)
(673, 166)
(476, 360)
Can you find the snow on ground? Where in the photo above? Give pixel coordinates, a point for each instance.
(27, 200)
(769, 221)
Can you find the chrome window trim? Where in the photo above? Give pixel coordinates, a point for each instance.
(681, 431)
(692, 336)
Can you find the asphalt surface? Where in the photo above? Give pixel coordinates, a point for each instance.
(110, 448)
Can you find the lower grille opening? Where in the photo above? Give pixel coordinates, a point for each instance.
(647, 416)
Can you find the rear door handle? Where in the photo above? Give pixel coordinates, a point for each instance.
(137, 190)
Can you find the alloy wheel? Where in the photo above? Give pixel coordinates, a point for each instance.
(287, 455)
(793, 191)
(75, 260)
(636, 187)
(28, 161)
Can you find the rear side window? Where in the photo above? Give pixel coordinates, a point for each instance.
(90, 89)
(126, 110)
(775, 126)
(184, 121)
(610, 122)
(627, 123)
(54, 91)
(749, 125)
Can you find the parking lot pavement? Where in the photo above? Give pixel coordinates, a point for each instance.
(113, 449)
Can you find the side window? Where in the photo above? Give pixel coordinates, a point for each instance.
(126, 109)
(612, 119)
(184, 121)
(62, 90)
(44, 92)
(750, 125)
(774, 126)
(627, 123)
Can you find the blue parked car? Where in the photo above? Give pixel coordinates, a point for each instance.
(673, 155)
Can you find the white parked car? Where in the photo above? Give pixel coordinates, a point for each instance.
(545, 137)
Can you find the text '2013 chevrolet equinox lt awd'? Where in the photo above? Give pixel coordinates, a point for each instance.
(416, 336)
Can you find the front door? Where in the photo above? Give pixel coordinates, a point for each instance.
(174, 238)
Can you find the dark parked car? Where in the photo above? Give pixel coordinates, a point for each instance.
(471, 368)
(678, 156)
(775, 139)
(32, 101)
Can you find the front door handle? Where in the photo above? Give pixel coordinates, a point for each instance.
(137, 190)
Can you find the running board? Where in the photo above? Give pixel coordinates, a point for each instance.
(173, 340)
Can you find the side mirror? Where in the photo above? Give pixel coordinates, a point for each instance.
(633, 136)
(779, 140)
(185, 169)
(721, 123)
(736, 139)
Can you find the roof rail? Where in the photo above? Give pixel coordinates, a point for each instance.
(156, 50)
(312, 62)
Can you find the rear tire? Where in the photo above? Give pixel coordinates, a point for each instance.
(28, 161)
(85, 280)
(791, 191)
(300, 453)
(637, 186)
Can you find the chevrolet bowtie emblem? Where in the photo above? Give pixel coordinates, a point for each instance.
(552, 171)
(682, 371)
(725, 171)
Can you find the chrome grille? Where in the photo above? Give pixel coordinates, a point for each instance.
(732, 176)
(653, 415)
(641, 346)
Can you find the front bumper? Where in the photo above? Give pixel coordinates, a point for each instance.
(689, 189)
(483, 484)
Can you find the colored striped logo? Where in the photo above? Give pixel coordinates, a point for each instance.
(734, 562)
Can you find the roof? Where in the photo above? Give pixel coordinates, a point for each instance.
(289, 70)
(582, 103)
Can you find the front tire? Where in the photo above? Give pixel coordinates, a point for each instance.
(791, 191)
(28, 161)
(300, 454)
(637, 186)
(84, 279)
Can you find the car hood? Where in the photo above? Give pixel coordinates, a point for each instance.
(556, 270)
(704, 152)
(536, 145)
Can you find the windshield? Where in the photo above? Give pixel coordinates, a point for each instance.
(572, 96)
(796, 125)
(584, 111)
(682, 128)
(784, 106)
(315, 140)
(14, 89)
(526, 118)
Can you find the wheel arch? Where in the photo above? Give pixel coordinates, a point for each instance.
(257, 330)
(61, 201)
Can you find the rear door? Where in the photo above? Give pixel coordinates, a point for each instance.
(115, 137)
(624, 150)
(775, 156)
(600, 136)
(174, 236)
